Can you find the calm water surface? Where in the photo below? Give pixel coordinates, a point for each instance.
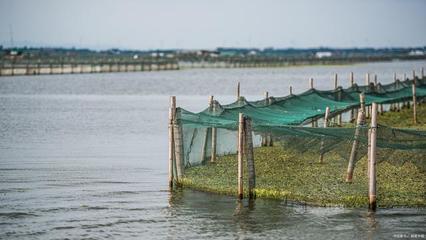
(85, 156)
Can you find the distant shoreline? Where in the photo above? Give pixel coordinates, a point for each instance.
(29, 69)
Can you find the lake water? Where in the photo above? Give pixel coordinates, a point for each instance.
(85, 157)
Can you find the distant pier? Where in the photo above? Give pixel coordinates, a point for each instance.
(19, 69)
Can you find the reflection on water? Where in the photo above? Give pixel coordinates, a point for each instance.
(85, 156)
(220, 216)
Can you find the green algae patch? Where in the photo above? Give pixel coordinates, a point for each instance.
(285, 173)
(282, 174)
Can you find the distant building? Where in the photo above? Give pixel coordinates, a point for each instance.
(207, 53)
(416, 53)
(252, 53)
(323, 54)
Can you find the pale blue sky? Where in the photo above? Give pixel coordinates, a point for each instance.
(189, 24)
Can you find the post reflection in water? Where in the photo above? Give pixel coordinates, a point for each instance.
(197, 213)
(372, 224)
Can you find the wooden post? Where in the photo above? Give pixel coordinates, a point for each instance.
(367, 79)
(266, 98)
(372, 162)
(335, 81)
(362, 102)
(327, 113)
(240, 155)
(207, 134)
(291, 90)
(359, 122)
(414, 103)
(250, 158)
(238, 91)
(214, 135)
(171, 141)
(375, 80)
(178, 139)
(311, 83)
(351, 78)
(422, 73)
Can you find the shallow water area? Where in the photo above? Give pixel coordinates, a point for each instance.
(85, 156)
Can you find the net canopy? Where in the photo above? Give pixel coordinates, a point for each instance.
(282, 120)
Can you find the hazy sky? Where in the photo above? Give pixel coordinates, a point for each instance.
(155, 24)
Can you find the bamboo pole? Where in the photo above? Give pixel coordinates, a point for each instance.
(214, 134)
(372, 156)
(291, 90)
(266, 98)
(171, 142)
(326, 116)
(367, 82)
(240, 155)
(178, 140)
(208, 131)
(362, 102)
(359, 122)
(414, 102)
(367, 79)
(214, 145)
(335, 81)
(311, 83)
(351, 78)
(250, 158)
(238, 91)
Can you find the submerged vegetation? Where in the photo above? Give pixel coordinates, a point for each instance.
(286, 173)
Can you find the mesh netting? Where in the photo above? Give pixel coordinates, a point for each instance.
(281, 119)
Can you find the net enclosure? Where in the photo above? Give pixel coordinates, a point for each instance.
(314, 123)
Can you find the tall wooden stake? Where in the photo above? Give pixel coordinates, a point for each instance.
(351, 78)
(335, 81)
(362, 102)
(214, 134)
(240, 155)
(171, 140)
(367, 79)
(414, 102)
(291, 90)
(238, 91)
(311, 83)
(178, 139)
(266, 98)
(207, 134)
(326, 116)
(372, 156)
(250, 158)
(359, 122)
